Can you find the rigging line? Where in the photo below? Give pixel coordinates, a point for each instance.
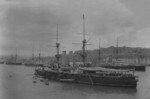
(90, 79)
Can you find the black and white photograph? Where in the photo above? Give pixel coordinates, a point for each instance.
(74, 49)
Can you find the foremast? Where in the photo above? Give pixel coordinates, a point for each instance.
(84, 42)
(58, 48)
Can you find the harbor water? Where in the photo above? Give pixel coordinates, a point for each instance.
(18, 82)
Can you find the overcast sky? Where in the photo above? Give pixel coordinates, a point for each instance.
(31, 24)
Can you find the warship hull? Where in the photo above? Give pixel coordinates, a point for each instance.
(88, 79)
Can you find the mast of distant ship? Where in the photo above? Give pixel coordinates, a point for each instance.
(99, 52)
(16, 56)
(39, 55)
(33, 55)
(117, 51)
(57, 47)
(84, 42)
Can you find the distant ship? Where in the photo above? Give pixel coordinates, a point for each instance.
(124, 66)
(13, 60)
(33, 65)
(13, 63)
(33, 62)
(2, 62)
(87, 75)
(118, 64)
(39, 62)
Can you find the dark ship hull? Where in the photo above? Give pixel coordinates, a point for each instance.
(140, 67)
(29, 64)
(135, 67)
(38, 65)
(103, 80)
(12, 63)
(2, 62)
(33, 64)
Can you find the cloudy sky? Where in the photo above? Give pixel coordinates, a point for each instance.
(32, 24)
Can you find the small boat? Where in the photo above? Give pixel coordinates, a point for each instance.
(46, 83)
(34, 81)
(10, 76)
(41, 80)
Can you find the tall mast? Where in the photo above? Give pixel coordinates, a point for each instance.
(57, 47)
(84, 42)
(33, 55)
(117, 50)
(39, 54)
(83, 28)
(57, 34)
(99, 52)
(16, 56)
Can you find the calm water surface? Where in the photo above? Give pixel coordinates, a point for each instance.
(16, 82)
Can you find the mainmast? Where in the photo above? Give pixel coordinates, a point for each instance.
(84, 43)
(57, 47)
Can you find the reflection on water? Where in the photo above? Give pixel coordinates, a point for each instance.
(18, 82)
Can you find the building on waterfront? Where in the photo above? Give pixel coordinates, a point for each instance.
(94, 58)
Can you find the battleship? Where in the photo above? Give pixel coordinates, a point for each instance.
(87, 75)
